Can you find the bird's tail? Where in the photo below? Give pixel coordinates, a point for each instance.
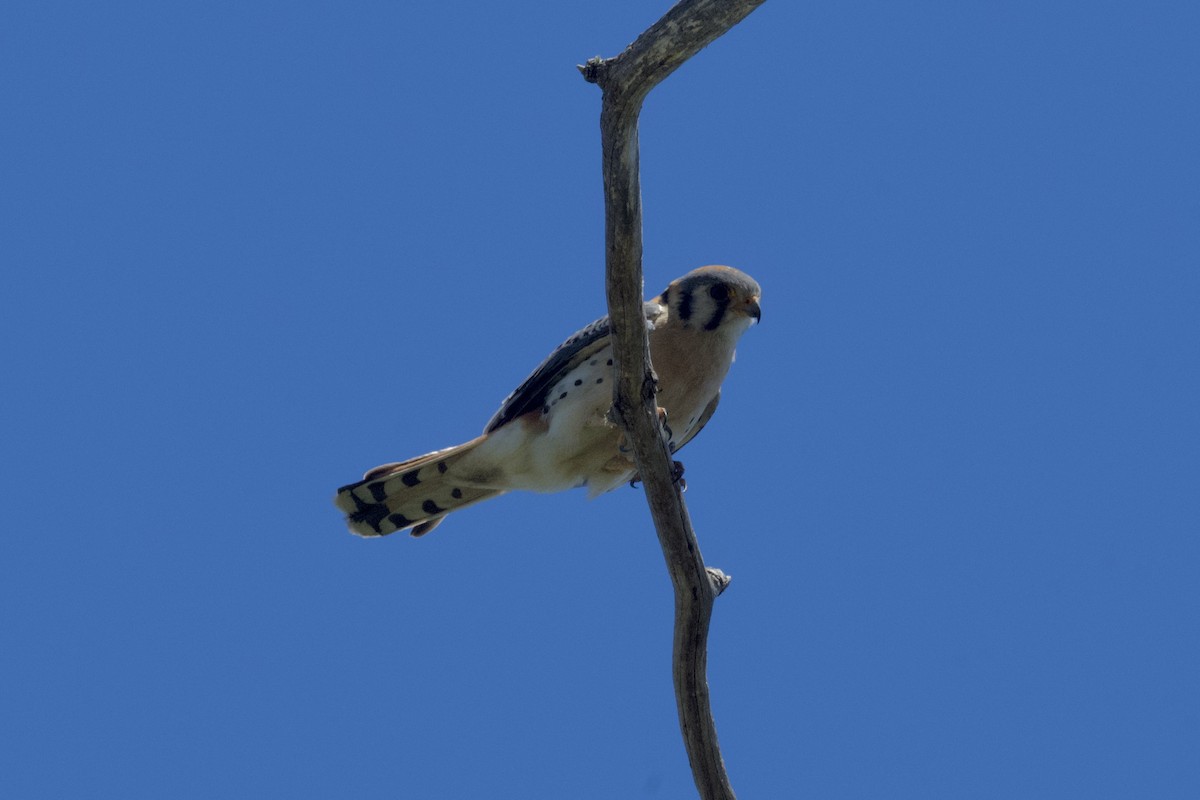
(416, 494)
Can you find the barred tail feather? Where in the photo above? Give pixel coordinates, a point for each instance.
(415, 494)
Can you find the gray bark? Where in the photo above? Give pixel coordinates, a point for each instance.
(626, 80)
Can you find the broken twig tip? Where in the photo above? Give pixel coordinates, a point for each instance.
(591, 70)
(719, 580)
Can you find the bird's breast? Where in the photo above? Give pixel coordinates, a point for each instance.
(691, 366)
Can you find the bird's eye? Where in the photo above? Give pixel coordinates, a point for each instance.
(719, 292)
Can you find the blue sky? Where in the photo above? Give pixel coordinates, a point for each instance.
(252, 249)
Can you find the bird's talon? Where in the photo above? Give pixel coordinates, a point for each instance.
(666, 432)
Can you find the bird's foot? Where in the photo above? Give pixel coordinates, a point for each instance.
(677, 475)
(665, 430)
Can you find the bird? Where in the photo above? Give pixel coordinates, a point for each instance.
(554, 431)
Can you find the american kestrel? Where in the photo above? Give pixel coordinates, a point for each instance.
(554, 432)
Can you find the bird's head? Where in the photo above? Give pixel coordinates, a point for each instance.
(714, 298)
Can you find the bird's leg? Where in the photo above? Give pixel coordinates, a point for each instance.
(667, 435)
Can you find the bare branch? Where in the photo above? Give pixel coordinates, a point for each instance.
(626, 80)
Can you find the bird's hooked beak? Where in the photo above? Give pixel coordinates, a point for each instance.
(752, 309)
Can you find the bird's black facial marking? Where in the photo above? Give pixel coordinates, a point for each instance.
(685, 303)
(720, 287)
(719, 292)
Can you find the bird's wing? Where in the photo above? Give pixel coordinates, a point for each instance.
(531, 394)
(709, 410)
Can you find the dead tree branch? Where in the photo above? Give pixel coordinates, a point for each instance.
(626, 80)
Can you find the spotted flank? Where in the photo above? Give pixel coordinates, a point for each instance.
(538, 391)
(415, 494)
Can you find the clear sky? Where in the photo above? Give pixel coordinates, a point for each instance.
(253, 249)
